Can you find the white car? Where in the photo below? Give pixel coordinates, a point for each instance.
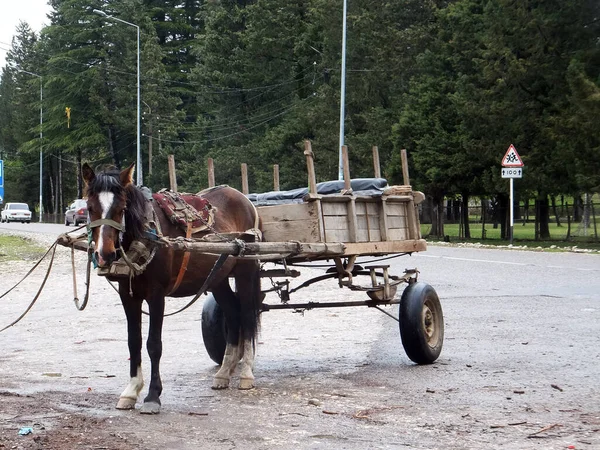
(15, 212)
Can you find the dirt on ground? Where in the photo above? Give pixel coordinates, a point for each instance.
(519, 367)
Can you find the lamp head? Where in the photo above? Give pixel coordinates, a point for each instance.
(100, 13)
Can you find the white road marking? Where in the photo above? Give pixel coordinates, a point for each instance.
(510, 263)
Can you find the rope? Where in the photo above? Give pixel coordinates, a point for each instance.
(53, 249)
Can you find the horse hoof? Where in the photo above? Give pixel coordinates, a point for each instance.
(220, 383)
(246, 383)
(150, 408)
(126, 403)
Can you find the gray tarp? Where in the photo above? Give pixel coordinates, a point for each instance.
(372, 187)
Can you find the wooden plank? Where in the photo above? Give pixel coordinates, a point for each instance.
(383, 248)
(245, 190)
(346, 167)
(351, 219)
(275, 177)
(335, 209)
(211, 172)
(397, 222)
(337, 235)
(335, 223)
(310, 164)
(376, 165)
(404, 159)
(172, 177)
(396, 209)
(383, 218)
(255, 248)
(398, 234)
(296, 230)
(290, 211)
(413, 221)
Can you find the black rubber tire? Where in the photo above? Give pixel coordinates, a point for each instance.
(66, 222)
(421, 323)
(214, 330)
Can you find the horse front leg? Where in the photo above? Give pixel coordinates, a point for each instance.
(133, 312)
(156, 306)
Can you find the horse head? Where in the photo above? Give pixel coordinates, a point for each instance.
(108, 195)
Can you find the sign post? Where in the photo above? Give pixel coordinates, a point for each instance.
(512, 167)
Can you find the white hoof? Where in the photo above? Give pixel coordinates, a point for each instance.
(126, 403)
(246, 383)
(220, 383)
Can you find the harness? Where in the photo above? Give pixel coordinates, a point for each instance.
(179, 212)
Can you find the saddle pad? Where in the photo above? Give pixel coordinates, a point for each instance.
(185, 209)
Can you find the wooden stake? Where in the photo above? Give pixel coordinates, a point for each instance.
(211, 172)
(346, 163)
(275, 177)
(310, 165)
(403, 157)
(376, 166)
(245, 178)
(172, 177)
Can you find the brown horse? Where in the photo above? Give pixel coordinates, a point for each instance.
(119, 214)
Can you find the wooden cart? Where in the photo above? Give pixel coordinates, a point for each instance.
(340, 228)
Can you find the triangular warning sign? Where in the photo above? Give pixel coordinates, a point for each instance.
(512, 158)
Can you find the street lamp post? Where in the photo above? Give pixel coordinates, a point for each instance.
(342, 95)
(41, 137)
(138, 169)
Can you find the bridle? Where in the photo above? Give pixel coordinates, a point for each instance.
(97, 223)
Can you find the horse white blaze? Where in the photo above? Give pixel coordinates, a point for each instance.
(106, 200)
(135, 386)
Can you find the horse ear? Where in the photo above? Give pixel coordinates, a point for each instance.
(127, 175)
(87, 173)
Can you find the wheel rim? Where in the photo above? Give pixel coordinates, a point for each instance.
(430, 323)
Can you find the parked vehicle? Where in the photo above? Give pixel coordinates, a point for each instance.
(16, 212)
(76, 213)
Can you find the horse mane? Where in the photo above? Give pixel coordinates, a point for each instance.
(135, 214)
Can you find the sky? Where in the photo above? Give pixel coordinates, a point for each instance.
(12, 11)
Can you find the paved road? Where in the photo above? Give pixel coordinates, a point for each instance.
(519, 368)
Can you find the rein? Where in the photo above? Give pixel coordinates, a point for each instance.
(51, 249)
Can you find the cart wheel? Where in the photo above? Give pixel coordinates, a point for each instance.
(421, 323)
(214, 331)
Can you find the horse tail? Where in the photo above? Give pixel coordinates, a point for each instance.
(251, 307)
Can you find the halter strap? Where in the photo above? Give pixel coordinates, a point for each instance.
(109, 222)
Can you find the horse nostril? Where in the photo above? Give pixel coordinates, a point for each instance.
(105, 260)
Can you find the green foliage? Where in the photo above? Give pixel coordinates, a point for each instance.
(453, 82)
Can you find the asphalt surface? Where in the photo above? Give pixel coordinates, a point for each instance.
(519, 367)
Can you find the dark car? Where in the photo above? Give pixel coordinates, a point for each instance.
(76, 213)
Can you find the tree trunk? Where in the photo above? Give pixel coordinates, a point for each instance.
(542, 216)
(465, 215)
(577, 209)
(112, 148)
(555, 211)
(501, 214)
(437, 216)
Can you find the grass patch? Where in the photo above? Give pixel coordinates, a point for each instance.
(17, 248)
(523, 235)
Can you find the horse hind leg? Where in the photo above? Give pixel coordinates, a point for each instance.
(230, 361)
(230, 305)
(246, 375)
(251, 297)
